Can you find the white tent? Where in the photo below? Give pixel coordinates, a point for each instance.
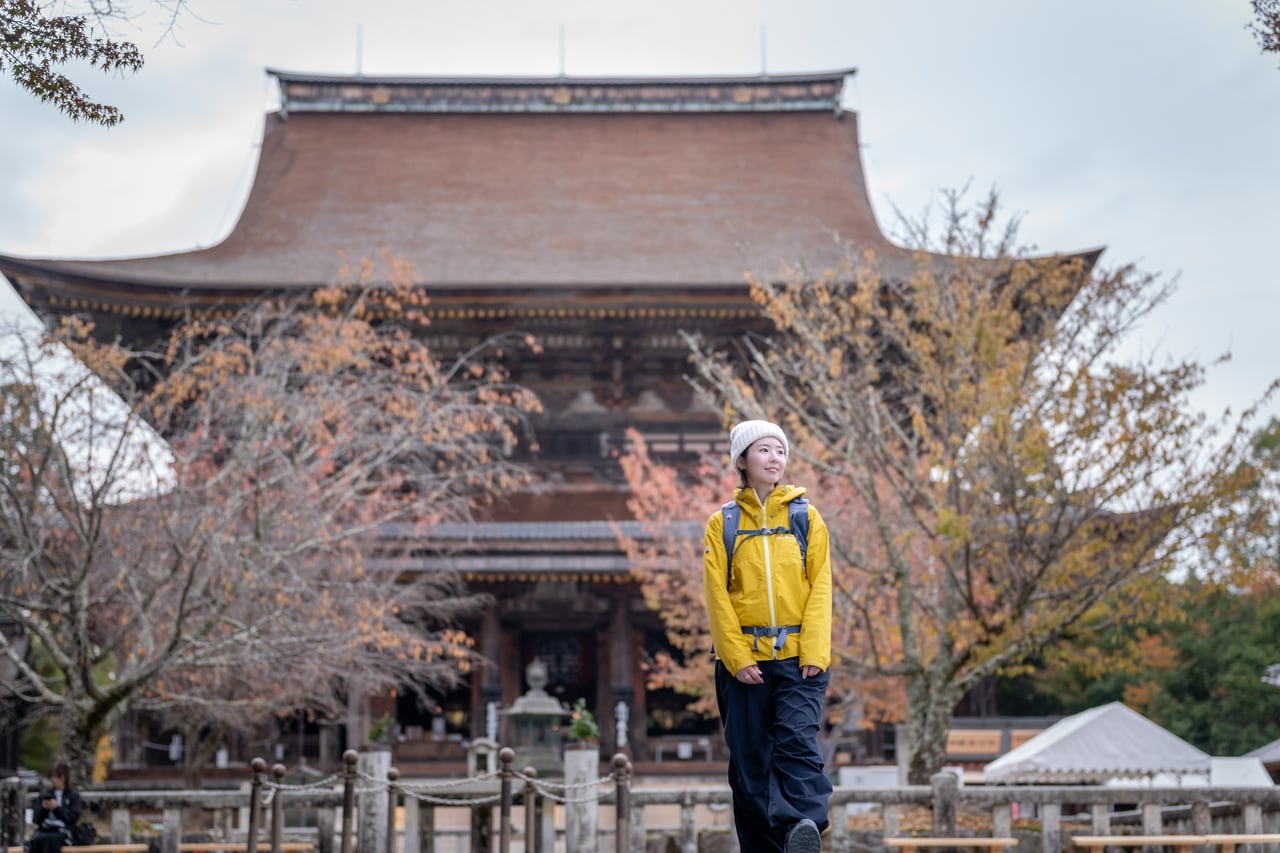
(1268, 754)
(1108, 742)
(1245, 771)
(1224, 772)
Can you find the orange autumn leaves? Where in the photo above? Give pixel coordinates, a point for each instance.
(245, 548)
(991, 465)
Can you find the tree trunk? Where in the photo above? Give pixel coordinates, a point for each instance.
(200, 743)
(80, 747)
(929, 714)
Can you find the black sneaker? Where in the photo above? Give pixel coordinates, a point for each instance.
(803, 837)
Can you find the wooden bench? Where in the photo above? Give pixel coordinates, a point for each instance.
(1227, 843)
(1180, 843)
(186, 847)
(240, 846)
(911, 845)
(104, 847)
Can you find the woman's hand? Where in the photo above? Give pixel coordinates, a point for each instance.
(750, 675)
(810, 671)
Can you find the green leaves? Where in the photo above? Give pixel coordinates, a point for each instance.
(34, 45)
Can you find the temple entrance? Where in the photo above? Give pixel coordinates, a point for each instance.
(570, 658)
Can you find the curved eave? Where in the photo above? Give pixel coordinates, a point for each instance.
(56, 287)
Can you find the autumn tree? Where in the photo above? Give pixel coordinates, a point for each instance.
(666, 559)
(991, 468)
(35, 45)
(1247, 549)
(1265, 25)
(250, 563)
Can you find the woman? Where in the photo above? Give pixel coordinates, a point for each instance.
(770, 614)
(55, 814)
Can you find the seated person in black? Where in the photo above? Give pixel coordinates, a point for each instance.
(55, 813)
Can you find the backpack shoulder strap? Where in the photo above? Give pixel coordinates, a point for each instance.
(799, 518)
(731, 514)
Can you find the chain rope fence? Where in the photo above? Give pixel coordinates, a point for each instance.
(453, 793)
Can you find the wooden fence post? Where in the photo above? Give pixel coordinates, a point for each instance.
(277, 808)
(531, 844)
(392, 801)
(622, 802)
(505, 756)
(350, 757)
(255, 805)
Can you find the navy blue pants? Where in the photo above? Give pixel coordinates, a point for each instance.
(775, 766)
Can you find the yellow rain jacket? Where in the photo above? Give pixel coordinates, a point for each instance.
(769, 586)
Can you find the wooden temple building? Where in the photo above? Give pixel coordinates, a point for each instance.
(602, 216)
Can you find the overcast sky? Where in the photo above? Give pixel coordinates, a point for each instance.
(1150, 127)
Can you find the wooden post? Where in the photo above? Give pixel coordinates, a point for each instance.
(1253, 825)
(411, 828)
(277, 808)
(392, 797)
(1202, 823)
(482, 828)
(531, 844)
(350, 757)
(255, 805)
(546, 820)
(426, 827)
(1252, 819)
(505, 756)
(622, 801)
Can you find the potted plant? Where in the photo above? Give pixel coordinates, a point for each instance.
(583, 728)
(380, 731)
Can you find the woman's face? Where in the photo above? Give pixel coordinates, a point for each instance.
(59, 781)
(764, 461)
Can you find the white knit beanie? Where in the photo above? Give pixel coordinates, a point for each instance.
(749, 432)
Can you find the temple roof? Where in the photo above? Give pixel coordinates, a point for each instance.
(520, 185)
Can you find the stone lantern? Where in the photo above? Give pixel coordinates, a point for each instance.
(535, 720)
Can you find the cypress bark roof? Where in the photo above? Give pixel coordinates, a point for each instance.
(487, 185)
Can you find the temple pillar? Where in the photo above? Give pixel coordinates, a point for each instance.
(621, 679)
(490, 681)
